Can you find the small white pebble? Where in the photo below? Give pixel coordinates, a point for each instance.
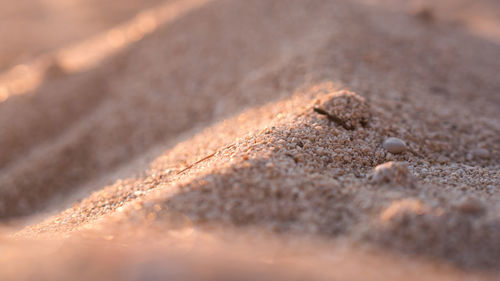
(481, 153)
(394, 145)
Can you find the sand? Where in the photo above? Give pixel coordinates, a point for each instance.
(202, 146)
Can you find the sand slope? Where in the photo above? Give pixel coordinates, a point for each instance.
(226, 95)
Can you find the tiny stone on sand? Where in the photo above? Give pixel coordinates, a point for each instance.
(481, 153)
(394, 145)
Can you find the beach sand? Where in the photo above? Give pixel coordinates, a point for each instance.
(244, 140)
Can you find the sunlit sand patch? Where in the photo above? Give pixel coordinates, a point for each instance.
(89, 53)
(4, 93)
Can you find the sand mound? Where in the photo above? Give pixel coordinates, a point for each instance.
(230, 93)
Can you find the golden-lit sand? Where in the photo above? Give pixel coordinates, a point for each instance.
(244, 139)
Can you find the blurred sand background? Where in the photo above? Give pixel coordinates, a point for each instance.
(31, 28)
(153, 140)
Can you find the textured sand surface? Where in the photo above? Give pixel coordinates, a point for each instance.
(202, 140)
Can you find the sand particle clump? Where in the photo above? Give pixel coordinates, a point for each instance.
(470, 205)
(401, 207)
(392, 173)
(347, 108)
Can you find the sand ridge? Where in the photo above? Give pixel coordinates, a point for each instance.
(266, 159)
